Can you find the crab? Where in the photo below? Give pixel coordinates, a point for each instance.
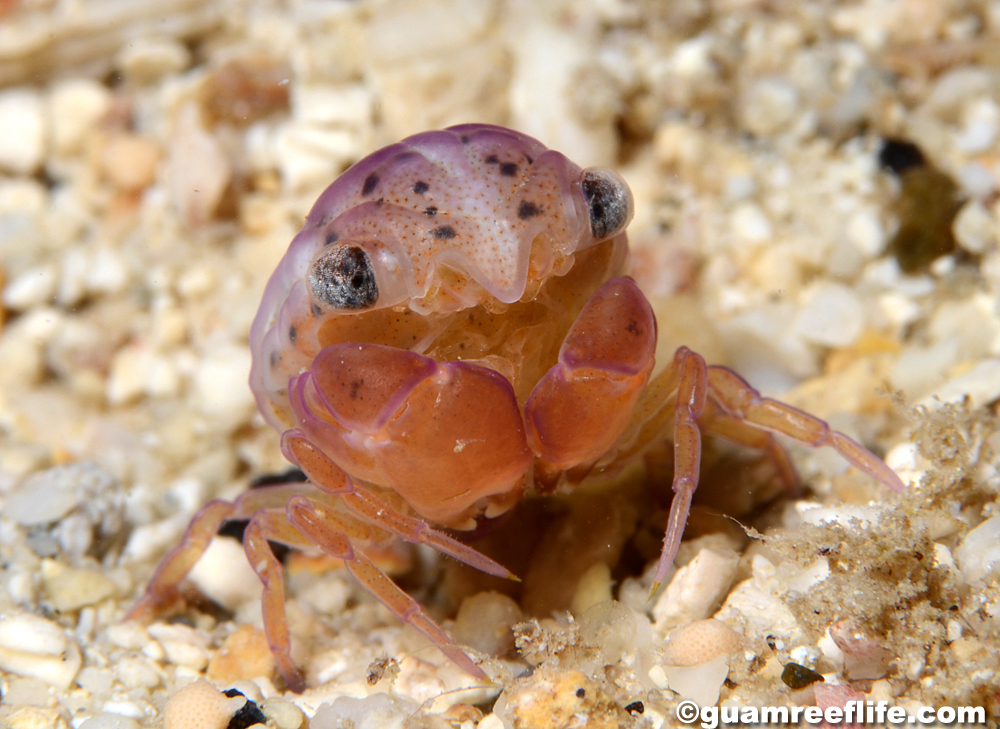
(451, 330)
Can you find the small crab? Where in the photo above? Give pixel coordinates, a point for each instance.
(450, 330)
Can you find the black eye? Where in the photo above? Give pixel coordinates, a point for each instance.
(343, 278)
(609, 201)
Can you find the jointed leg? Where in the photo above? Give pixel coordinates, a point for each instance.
(323, 527)
(162, 588)
(373, 510)
(735, 411)
(652, 415)
(273, 524)
(692, 390)
(718, 423)
(369, 507)
(737, 397)
(409, 611)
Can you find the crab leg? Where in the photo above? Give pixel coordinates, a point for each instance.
(174, 567)
(718, 423)
(692, 393)
(370, 508)
(581, 406)
(273, 524)
(162, 587)
(737, 397)
(373, 510)
(324, 529)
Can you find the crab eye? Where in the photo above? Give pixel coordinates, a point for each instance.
(343, 278)
(609, 201)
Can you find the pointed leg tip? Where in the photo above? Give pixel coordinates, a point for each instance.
(140, 608)
(490, 567)
(294, 681)
(150, 606)
(133, 615)
(462, 659)
(653, 590)
(480, 674)
(894, 482)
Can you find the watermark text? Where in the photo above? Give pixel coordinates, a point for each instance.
(853, 712)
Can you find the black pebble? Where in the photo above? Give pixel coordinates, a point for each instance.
(898, 155)
(249, 715)
(635, 707)
(926, 208)
(796, 676)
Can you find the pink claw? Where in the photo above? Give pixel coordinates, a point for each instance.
(443, 436)
(583, 404)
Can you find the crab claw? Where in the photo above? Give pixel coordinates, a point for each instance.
(446, 437)
(583, 403)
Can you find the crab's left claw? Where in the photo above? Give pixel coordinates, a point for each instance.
(583, 403)
(446, 437)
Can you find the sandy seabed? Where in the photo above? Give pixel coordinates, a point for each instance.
(157, 158)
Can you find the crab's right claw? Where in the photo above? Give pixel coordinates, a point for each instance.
(582, 405)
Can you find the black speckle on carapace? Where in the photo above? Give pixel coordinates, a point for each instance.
(527, 210)
(492, 160)
(420, 187)
(331, 238)
(371, 182)
(445, 232)
(508, 169)
(293, 334)
(431, 211)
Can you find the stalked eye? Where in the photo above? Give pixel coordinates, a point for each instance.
(609, 201)
(343, 278)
